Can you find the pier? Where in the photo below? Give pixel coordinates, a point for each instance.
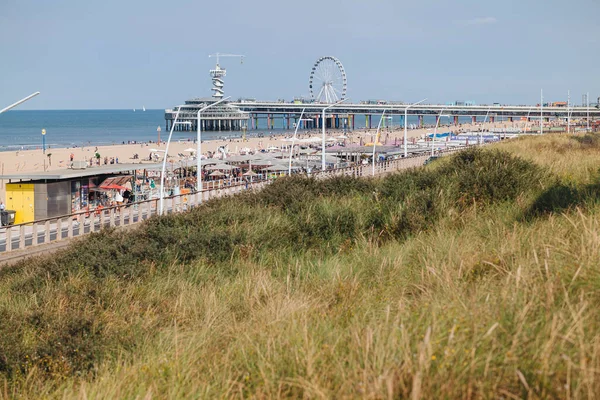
(244, 114)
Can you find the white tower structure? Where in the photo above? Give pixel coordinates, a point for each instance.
(219, 73)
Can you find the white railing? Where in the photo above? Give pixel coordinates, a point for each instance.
(45, 231)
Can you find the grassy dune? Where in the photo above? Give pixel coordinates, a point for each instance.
(476, 277)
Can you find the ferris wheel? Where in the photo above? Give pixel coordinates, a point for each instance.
(327, 82)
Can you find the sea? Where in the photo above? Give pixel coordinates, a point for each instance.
(22, 129)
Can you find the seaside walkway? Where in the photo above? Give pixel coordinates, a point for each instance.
(25, 240)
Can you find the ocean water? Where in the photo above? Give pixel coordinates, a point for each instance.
(21, 129)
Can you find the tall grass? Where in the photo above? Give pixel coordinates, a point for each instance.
(462, 280)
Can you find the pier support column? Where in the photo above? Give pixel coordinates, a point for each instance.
(268, 121)
(437, 120)
(288, 122)
(370, 121)
(352, 116)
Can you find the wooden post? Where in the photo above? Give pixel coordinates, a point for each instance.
(58, 229)
(131, 214)
(9, 239)
(34, 238)
(111, 217)
(46, 232)
(70, 228)
(122, 217)
(21, 237)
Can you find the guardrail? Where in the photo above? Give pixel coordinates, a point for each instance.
(21, 236)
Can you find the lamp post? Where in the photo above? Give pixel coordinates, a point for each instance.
(437, 123)
(483, 127)
(587, 98)
(43, 141)
(162, 173)
(294, 139)
(199, 144)
(375, 141)
(541, 111)
(406, 125)
(158, 131)
(19, 102)
(323, 142)
(568, 112)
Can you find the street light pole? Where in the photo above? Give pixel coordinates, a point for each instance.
(164, 166)
(375, 140)
(158, 131)
(541, 111)
(587, 98)
(19, 102)
(294, 141)
(568, 112)
(323, 123)
(199, 144)
(437, 123)
(406, 126)
(43, 141)
(483, 127)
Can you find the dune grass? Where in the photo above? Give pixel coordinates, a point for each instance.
(476, 277)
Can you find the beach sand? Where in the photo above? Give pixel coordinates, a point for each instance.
(35, 161)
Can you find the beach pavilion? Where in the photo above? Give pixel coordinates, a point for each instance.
(48, 194)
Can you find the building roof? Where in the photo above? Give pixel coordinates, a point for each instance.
(80, 173)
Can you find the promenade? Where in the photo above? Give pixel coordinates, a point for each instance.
(20, 241)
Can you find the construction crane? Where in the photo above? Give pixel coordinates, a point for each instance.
(219, 73)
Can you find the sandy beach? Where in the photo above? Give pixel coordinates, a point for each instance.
(59, 158)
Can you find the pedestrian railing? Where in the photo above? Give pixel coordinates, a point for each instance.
(21, 236)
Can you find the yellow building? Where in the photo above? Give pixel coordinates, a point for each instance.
(20, 198)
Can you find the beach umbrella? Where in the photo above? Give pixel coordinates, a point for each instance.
(249, 173)
(216, 173)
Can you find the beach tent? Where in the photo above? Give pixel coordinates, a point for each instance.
(216, 173)
(217, 167)
(278, 168)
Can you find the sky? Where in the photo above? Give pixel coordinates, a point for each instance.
(115, 54)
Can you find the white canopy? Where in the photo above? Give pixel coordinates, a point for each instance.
(223, 167)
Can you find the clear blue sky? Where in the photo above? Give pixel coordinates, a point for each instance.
(129, 53)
